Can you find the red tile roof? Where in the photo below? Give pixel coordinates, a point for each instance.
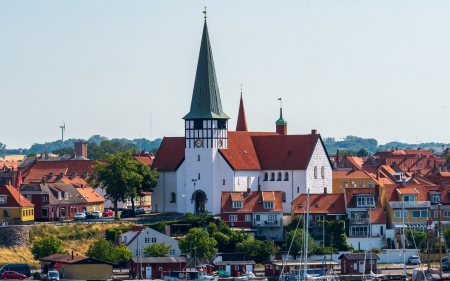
(9, 164)
(350, 174)
(237, 196)
(14, 198)
(90, 195)
(251, 204)
(170, 154)
(143, 159)
(241, 124)
(38, 170)
(394, 190)
(324, 202)
(377, 215)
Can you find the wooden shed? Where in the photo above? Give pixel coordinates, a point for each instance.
(234, 268)
(153, 267)
(358, 263)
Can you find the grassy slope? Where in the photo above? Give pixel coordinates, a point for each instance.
(76, 237)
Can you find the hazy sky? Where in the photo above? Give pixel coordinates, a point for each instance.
(368, 68)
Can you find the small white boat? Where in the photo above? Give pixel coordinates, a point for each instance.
(192, 275)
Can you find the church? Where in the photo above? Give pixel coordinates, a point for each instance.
(211, 159)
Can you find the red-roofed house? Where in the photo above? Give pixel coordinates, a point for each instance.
(367, 218)
(260, 209)
(322, 206)
(14, 207)
(209, 159)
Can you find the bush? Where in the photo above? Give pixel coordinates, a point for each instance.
(376, 250)
(36, 275)
(113, 233)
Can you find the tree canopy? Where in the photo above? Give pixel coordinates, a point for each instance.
(47, 246)
(157, 250)
(122, 176)
(2, 150)
(198, 243)
(103, 249)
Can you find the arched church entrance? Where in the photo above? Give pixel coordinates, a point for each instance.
(200, 199)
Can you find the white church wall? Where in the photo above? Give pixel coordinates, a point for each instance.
(181, 188)
(244, 179)
(317, 183)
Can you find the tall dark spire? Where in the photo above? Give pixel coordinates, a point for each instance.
(241, 121)
(281, 123)
(206, 102)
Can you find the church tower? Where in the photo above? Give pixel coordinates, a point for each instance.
(206, 131)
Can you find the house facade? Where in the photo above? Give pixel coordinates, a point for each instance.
(262, 210)
(358, 263)
(343, 179)
(210, 158)
(14, 207)
(155, 267)
(139, 237)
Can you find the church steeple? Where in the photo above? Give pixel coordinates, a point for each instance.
(205, 103)
(281, 123)
(241, 121)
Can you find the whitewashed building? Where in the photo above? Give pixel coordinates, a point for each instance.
(139, 237)
(209, 159)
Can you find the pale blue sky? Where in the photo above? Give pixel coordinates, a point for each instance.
(368, 68)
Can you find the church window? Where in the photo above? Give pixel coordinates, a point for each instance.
(286, 176)
(322, 172)
(298, 189)
(279, 176)
(173, 197)
(221, 124)
(266, 177)
(315, 172)
(198, 158)
(223, 181)
(283, 196)
(198, 124)
(272, 176)
(198, 175)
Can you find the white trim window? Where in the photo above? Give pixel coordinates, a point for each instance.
(371, 184)
(436, 198)
(365, 201)
(408, 198)
(446, 213)
(232, 218)
(268, 204)
(420, 214)
(237, 204)
(248, 218)
(271, 217)
(398, 214)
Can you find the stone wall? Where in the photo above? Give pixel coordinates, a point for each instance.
(14, 235)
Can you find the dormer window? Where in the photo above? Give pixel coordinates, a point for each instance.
(436, 198)
(59, 196)
(3, 199)
(365, 201)
(66, 196)
(345, 184)
(408, 198)
(268, 204)
(237, 204)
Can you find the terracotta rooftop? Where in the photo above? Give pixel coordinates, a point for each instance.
(351, 174)
(326, 204)
(376, 215)
(350, 193)
(253, 202)
(90, 195)
(170, 154)
(14, 198)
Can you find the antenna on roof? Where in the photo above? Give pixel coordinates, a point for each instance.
(63, 129)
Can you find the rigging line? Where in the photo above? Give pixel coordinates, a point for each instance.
(415, 246)
(292, 242)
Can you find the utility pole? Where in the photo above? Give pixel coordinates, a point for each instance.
(332, 250)
(440, 239)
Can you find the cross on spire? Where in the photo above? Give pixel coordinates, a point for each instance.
(204, 12)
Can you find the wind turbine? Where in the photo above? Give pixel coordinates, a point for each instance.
(63, 129)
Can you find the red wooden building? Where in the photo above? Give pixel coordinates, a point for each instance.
(354, 263)
(235, 268)
(153, 267)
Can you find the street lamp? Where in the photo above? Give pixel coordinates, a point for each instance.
(193, 194)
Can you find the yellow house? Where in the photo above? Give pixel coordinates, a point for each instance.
(407, 204)
(14, 207)
(351, 178)
(94, 201)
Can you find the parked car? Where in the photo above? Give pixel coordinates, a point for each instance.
(445, 266)
(80, 216)
(53, 275)
(108, 213)
(13, 275)
(89, 215)
(126, 213)
(97, 214)
(413, 260)
(21, 268)
(139, 211)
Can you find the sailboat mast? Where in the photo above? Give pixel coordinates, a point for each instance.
(404, 239)
(305, 266)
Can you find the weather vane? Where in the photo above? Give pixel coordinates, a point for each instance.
(205, 13)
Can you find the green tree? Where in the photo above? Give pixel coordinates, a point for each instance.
(102, 249)
(157, 250)
(122, 254)
(256, 250)
(223, 242)
(120, 175)
(296, 222)
(63, 151)
(32, 154)
(154, 150)
(202, 245)
(362, 153)
(420, 239)
(296, 237)
(47, 246)
(211, 228)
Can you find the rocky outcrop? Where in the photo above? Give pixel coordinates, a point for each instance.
(14, 235)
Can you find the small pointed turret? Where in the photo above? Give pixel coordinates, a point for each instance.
(241, 121)
(281, 123)
(206, 103)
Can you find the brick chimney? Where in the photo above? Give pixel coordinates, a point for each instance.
(80, 149)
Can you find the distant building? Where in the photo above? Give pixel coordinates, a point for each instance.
(14, 207)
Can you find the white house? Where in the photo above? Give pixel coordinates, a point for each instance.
(209, 159)
(139, 237)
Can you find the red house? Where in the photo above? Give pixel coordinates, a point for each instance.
(153, 267)
(354, 263)
(260, 209)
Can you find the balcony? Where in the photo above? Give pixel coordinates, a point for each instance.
(268, 223)
(358, 233)
(359, 220)
(409, 204)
